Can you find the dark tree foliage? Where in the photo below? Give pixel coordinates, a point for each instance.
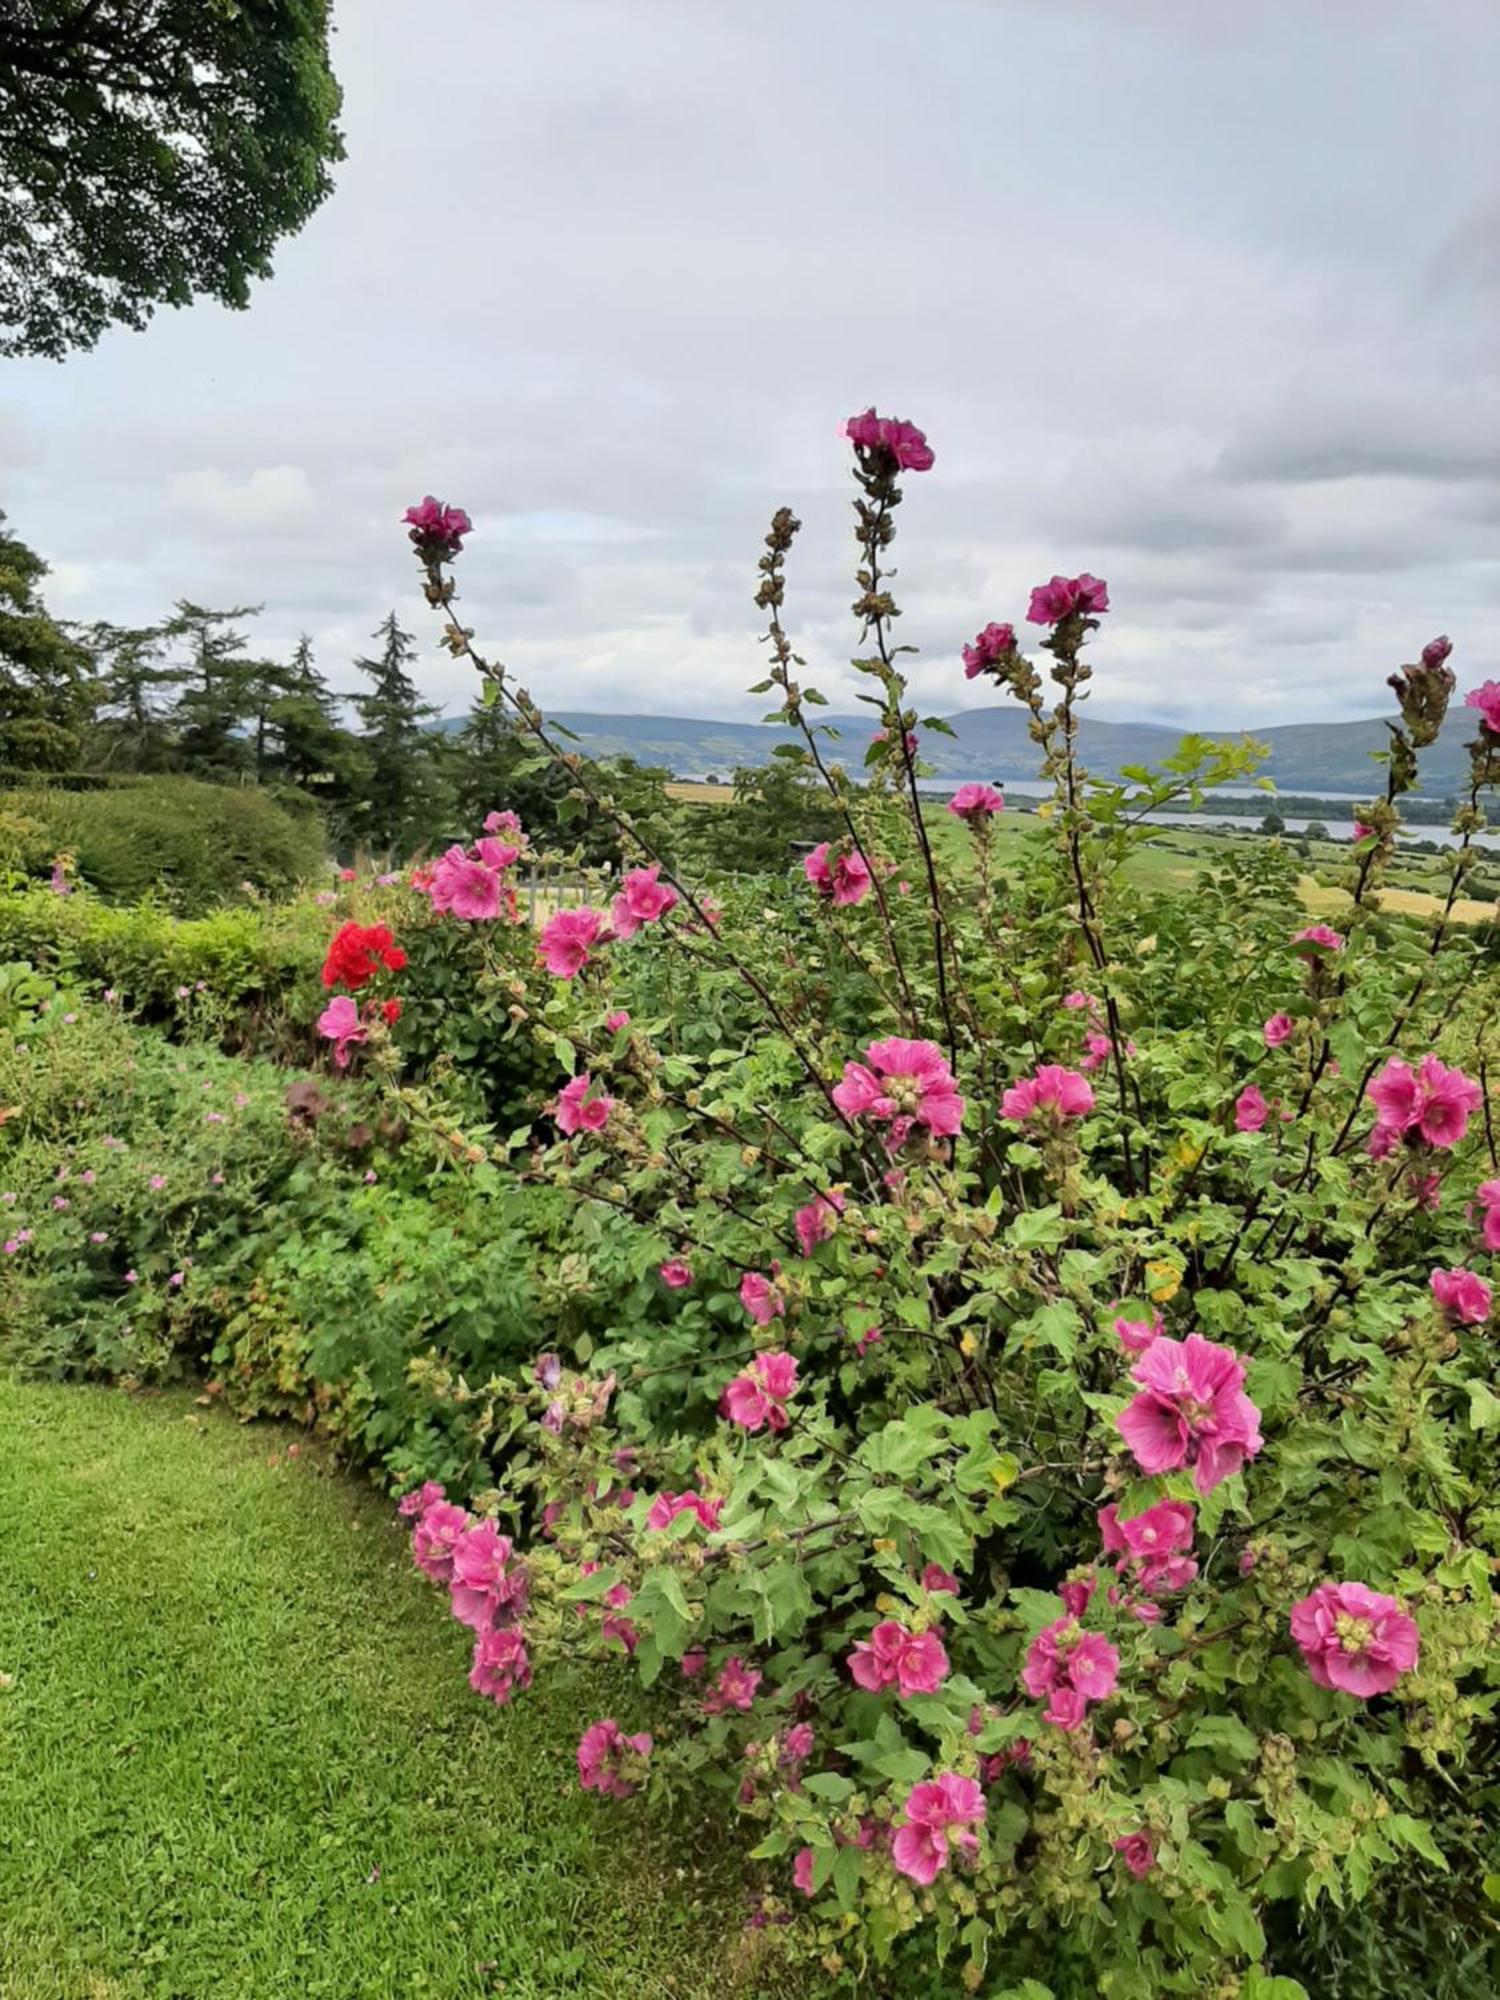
(45, 696)
(133, 722)
(153, 151)
(405, 781)
(219, 688)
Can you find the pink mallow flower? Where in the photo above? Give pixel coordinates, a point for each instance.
(568, 939)
(817, 1221)
(892, 1656)
(1053, 1093)
(1278, 1030)
(1136, 1335)
(922, 1847)
(1153, 1546)
(576, 1111)
(1072, 1668)
(1487, 700)
(975, 803)
(676, 1274)
(802, 1871)
(1138, 1853)
(734, 1689)
(435, 1537)
(901, 1084)
(1317, 938)
(666, 1508)
(1354, 1639)
(501, 1664)
(893, 435)
(420, 1499)
(436, 529)
(616, 1021)
(760, 1298)
(642, 900)
(1064, 595)
(845, 878)
(340, 1024)
(987, 648)
(1433, 1101)
(1192, 1410)
(1250, 1109)
(1487, 1194)
(466, 888)
(483, 1589)
(759, 1396)
(609, 1761)
(1463, 1296)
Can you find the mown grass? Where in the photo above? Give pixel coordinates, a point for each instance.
(239, 1759)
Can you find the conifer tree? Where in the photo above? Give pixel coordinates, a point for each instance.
(46, 686)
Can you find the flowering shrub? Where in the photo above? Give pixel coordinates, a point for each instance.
(1055, 1513)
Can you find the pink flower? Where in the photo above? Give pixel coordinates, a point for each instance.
(566, 942)
(435, 1537)
(606, 1754)
(734, 1688)
(501, 1664)
(1316, 938)
(340, 1024)
(1152, 1546)
(1278, 1030)
(1463, 1296)
(901, 1084)
(1072, 1667)
(1487, 700)
(1138, 1853)
(1354, 1639)
(1057, 1092)
(1488, 1196)
(504, 822)
(975, 803)
(933, 1809)
(420, 1499)
(1363, 832)
(817, 1221)
(988, 647)
(616, 1021)
(1065, 595)
(1437, 650)
(437, 530)
(802, 1871)
(483, 1590)
(1192, 1410)
(1250, 1109)
(642, 900)
(465, 887)
(1136, 1335)
(894, 437)
(576, 1111)
(936, 1578)
(1099, 1049)
(758, 1397)
(760, 1298)
(845, 878)
(1433, 1100)
(676, 1274)
(892, 1656)
(666, 1507)
(1076, 1594)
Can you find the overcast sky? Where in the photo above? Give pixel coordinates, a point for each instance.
(1202, 295)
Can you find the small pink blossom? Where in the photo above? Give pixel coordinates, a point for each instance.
(435, 1537)
(567, 941)
(734, 1689)
(1486, 698)
(609, 1761)
(467, 887)
(817, 1221)
(643, 899)
(892, 1656)
(1192, 1410)
(501, 1664)
(1250, 1109)
(759, 1396)
(1072, 1667)
(1278, 1030)
(1434, 1101)
(420, 1499)
(576, 1111)
(1354, 1639)
(975, 803)
(616, 1021)
(922, 1847)
(435, 529)
(761, 1298)
(802, 1871)
(1052, 602)
(483, 1588)
(668, 1506)
(1138, 1853)
(891, 436)
(936, 1578)
(340, 1024)
(1055, 1093)
(1317, 938)
(901, 1084)
(676, 1274)
(1136, 1335)
(1463, 1296)
(987, 648)
(845, 878)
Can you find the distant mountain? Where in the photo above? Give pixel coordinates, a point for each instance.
(1307, 757)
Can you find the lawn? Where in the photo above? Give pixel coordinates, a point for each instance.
(239, 1758)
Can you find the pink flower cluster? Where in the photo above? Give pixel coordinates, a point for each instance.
(761, 1296)
(817, 1221)
(568, 939)
(666, 1508)
(845, 879)
(1463, 1296)
(609, 1761)
(902, 1085)
(436, 530)
(894, 1656)
(1152, 1547)
(487, 1590)
(1191, 1410)
(576, 1111)
(894, 436)
(1487, 1194)
(939, 1814)
(1431, 1104)
(1072, 1668)
(758, 1397)
(1354, 1639)
(975, 803)
(1053, 1095)
(987, 648)
(735, 1688)
(1486, 699)
(470, 882)
(643, 899)
(1064, 596)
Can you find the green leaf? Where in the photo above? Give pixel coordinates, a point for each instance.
(1226, 1733)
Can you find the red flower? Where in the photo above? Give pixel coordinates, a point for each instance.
(390, 1011)
(357, 953)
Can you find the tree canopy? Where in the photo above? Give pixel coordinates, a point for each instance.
(151, 152)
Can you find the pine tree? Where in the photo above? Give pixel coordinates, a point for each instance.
(317, 753)
(46, 686)
(406, 794)
(136, 680)
(217, 698)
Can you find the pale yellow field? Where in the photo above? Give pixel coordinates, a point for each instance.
(1326, 902)
(700, 795)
